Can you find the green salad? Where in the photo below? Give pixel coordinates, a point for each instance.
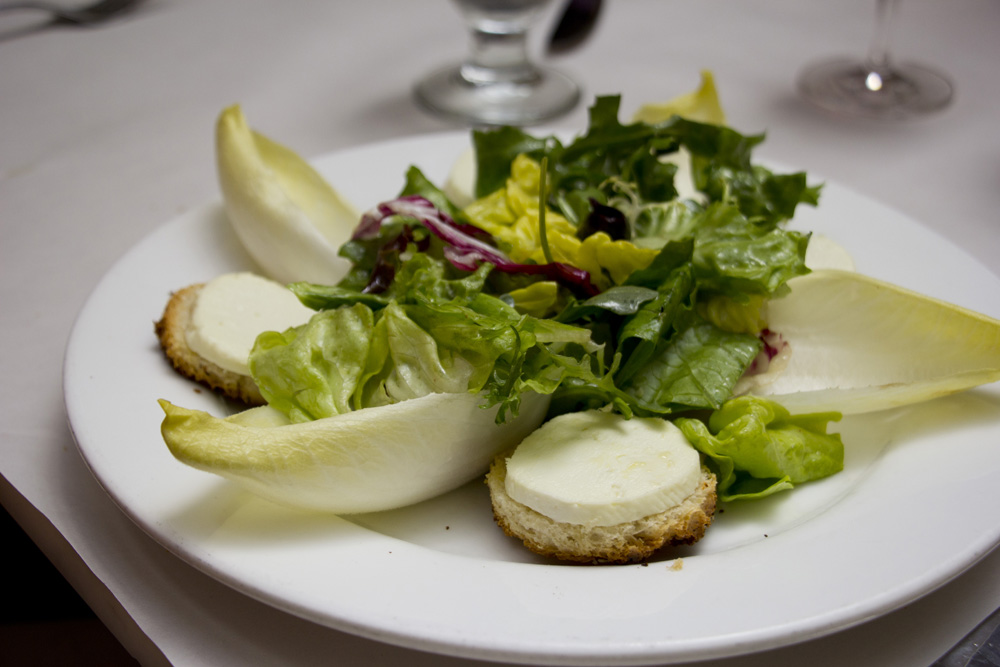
(576, 272)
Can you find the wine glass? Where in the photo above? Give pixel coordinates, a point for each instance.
(497, 84)
(876, 87)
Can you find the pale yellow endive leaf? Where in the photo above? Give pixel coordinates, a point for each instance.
(363, 461)
(289, 219)
(858, 344)
(701, 105)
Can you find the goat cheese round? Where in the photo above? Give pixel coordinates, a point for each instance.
(232, 310)
(597, 468)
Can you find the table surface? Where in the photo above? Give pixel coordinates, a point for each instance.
(106, 133)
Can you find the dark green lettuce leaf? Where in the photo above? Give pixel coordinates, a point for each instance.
(696, 368)
(642, 333)
(758, 193)
(618, 300)
(496, 150)
(595, 164)
(735, 256)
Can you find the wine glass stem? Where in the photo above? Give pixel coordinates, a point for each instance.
(878, 51)
(497, 57)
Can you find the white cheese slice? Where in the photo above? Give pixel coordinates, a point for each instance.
(599, 469)
(232, 310)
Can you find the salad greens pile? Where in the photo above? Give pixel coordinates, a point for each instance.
(576, 272)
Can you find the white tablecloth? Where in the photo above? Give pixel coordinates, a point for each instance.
(106, 133)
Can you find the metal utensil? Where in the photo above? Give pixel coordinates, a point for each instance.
(86, 15)
(575, 25)
(979, 648)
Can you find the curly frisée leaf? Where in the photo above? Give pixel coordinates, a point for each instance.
(363, 461)
(289, 219)
(858, 344)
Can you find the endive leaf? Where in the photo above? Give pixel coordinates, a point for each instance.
(289, 219)
(858, 344)
(363, 461)
(701, 104)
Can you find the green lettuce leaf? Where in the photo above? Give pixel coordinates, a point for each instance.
(621, 300)
(696, 368)
(496, 151)
(737, 257)
(421, 276)
(758, 448)
(428, 333)
(596, 164)
(759, 193)
(655, 223)
(315, 370)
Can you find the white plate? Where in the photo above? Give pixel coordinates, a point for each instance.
(914, 507)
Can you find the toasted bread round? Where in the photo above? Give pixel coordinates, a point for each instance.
(631, 542)
(171, 331)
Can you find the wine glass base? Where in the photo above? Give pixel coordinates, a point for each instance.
(447, 93)
(851, 88)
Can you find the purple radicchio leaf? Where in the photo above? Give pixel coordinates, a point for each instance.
(466, 246)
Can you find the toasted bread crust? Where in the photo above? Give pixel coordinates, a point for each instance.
(170, 330)
(631, 542)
